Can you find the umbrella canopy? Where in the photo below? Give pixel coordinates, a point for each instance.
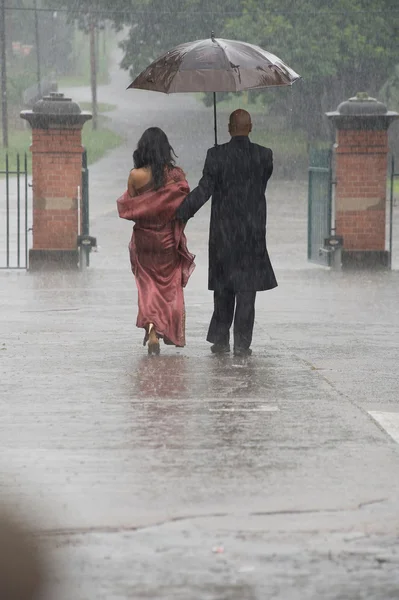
(215, 65)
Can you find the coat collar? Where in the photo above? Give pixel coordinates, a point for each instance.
(240, 139)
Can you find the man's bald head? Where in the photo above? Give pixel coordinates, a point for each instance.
(240, 123)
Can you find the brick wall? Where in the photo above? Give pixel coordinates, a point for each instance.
(56, 175)
(361, 171)
(362, 230)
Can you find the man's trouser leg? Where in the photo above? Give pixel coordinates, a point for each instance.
(222, 318)
(244, 319)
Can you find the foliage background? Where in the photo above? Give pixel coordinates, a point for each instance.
(339, 47)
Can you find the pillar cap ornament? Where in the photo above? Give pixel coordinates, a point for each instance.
(362, 104)
(56, 111)
(362, 112)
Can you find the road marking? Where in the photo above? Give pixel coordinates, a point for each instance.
(257, 409)
(389, 421)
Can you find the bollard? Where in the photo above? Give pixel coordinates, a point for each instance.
(85, 244)
(333, 245)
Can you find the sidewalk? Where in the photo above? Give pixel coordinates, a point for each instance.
(136, 468)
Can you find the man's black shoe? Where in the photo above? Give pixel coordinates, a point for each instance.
(242, 351)
(220, 348)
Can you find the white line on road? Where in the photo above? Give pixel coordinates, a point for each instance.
(257, 409)
(389, 421)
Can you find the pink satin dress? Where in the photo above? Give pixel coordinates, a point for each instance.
(160, 260)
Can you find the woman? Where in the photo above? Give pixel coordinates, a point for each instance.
(159, 256)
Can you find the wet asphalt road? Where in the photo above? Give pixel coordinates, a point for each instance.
(136, 469)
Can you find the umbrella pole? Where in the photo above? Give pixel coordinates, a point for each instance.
(215, 119)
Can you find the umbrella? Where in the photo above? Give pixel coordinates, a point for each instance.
(214, 65)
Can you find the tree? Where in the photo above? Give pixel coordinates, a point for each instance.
(339, 48)
(156, 26)
(89, 17)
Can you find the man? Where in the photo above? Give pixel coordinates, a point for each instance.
(235, 175)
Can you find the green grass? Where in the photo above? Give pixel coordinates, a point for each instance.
(285, 143)
(71, 81)
(19, 142)
(102, 107)
(81, 77)
(290, 149)
(97, 144)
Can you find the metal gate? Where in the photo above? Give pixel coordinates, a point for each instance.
(14, 222)
(319, 204)
(393, 176)
(85, 241)
(16, 213)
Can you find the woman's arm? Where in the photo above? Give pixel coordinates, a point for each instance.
(124, 203)
(131, 183)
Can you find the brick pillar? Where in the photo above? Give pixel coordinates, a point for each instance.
(361, 178)
(57, 124)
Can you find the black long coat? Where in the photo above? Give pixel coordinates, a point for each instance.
(235, 175)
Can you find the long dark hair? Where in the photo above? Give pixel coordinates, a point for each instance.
(154, 151)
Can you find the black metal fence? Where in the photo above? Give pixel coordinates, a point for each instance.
(15, 215)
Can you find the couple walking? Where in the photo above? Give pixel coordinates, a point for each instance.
(159, 201)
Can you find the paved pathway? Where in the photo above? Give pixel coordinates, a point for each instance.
(190, 476)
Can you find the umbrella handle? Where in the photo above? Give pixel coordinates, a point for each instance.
(215, 119)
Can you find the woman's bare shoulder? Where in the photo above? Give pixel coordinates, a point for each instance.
(137, 179)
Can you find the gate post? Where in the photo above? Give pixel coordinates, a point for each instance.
(361, 179)
(56, 148)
